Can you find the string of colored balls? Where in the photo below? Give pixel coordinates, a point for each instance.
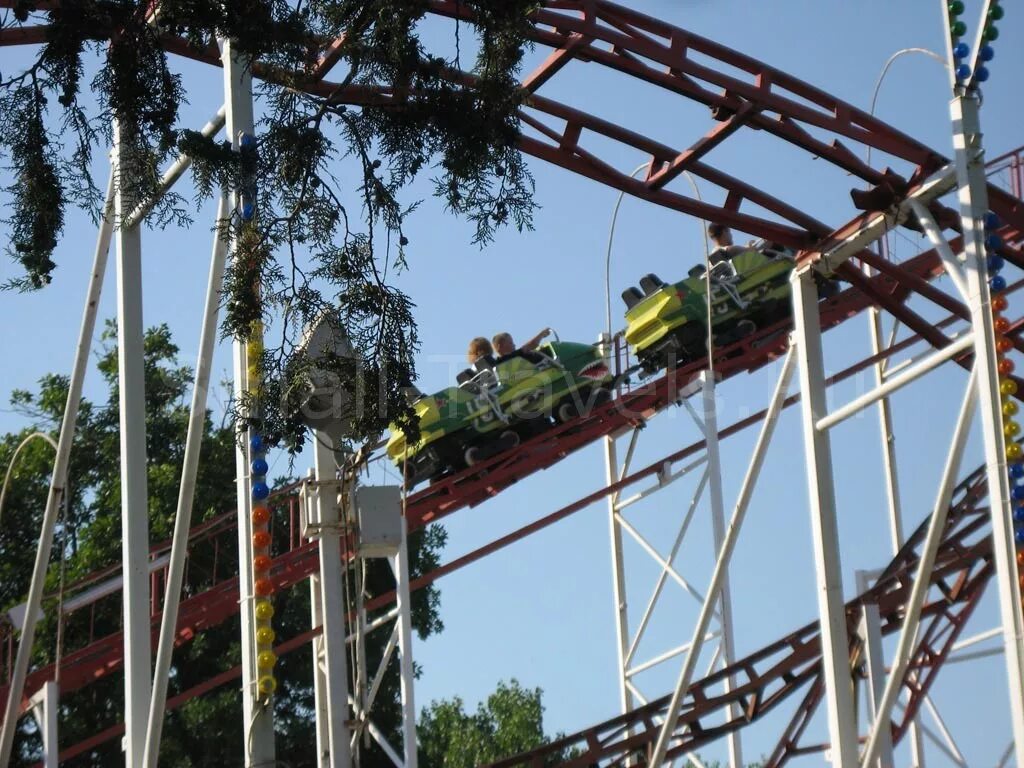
(961, 50)
(263, 585)
(1007, 386)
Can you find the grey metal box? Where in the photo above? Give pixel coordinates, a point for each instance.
(379, 511)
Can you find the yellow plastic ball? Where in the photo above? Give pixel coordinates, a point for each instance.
(1011, 428)
(1010, 408)
(266, 659)
(267, 685)
(1008, 387)
(265, 635)
(1013, 451)
(264, 610)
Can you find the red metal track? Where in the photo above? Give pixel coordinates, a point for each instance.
(741, 94)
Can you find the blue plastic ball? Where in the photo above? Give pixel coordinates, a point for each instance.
(992, 221)
(1018, 492)
(963, 72)
(960, 50)
(1018, 536)
(247, 140)
(1017, 470)
(997, 283)
(1018, 515)
(256, 444)
(986, 53)
(981, 74)
(259, 467)
(995, 263)
(248, 209)
(260, 491)
(993, 241)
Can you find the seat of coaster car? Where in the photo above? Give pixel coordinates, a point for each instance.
(480, 374)
(651, 283)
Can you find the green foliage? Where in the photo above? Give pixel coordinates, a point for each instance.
(326, 177)
(509, 722)
(208, 730)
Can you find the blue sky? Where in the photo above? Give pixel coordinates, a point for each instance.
(541, 610)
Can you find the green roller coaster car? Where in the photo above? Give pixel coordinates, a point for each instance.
(498, 403)
(666, 323)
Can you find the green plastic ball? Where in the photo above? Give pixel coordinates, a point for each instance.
(956, 7)
(958, 29)
(996, 12)
(991, 32)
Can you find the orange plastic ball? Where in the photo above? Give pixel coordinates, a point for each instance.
(264, 610)
(1003, 344)
(1005, 367)
(1008, 387)
(999, 303)
(264, 587)
(260, 515)
(1020, 558)
(262, 563)
(1002, 325)
(261, 539)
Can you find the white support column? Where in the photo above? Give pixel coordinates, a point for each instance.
(611, 463)
(257, 718)
(332, 606)
(321, 714)
(718, 532)
(973, 196)
(834, 641)
(131, 381)
(44, 709)
(404, 604)
(874, 660)
(186, 494)
(58, 478)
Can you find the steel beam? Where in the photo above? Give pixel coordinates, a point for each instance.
(967, 142)
(58, 476)
(131, 386)
(835, 650)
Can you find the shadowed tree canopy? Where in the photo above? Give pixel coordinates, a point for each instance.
(327, 177)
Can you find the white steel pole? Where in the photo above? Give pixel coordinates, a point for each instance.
(611, 463)
(922, 582)
(321, 715)
(332, 605)
(973, 196)
(722, 563)
(257, 716)
(404, 604)
(58, 477)
(131, 380)
(718, 534)
(834, 640)
(874, 661)
(186, 493)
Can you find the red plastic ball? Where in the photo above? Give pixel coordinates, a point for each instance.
(264, 587)
(261, 539)
(1002, 325)
(261, 563)
(260, 515)
(1003, 344)
(999, 303)
(1005, 367)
